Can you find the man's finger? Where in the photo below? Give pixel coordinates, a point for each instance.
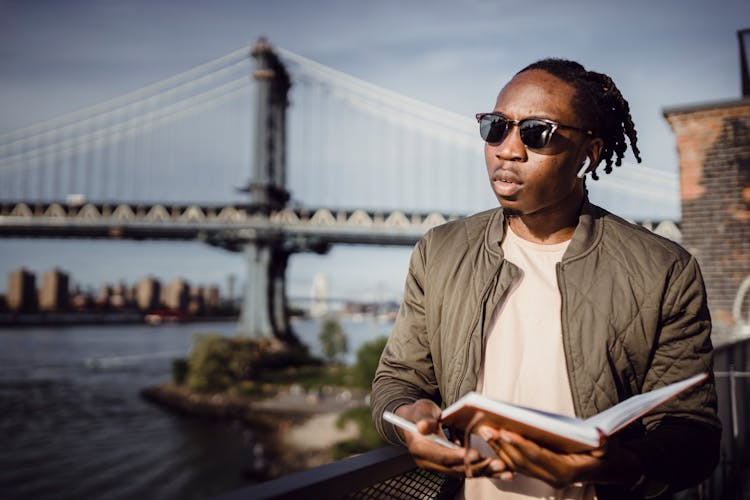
(423, 448)
(429, 426)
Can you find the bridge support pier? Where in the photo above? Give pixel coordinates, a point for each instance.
(264, 309)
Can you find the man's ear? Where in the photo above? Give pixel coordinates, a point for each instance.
(594, 152)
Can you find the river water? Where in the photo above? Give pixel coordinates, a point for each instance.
(72, 423)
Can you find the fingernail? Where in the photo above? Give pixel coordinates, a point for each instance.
(505, 437)
(506, 476)
(485, 434)
(497, 466)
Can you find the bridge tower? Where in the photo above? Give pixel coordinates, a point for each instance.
(264, 308)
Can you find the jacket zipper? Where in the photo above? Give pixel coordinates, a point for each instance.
(475, 321)
(565, 340)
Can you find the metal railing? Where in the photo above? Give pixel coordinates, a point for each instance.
(391, 472)
(733, 390)
(349, 478)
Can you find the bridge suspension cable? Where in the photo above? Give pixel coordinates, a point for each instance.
(120, 138)
(184, 80)
(633, 181)
(352, 144)
(130, 126)
(375, 99)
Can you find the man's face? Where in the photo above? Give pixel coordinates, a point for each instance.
(527, 181)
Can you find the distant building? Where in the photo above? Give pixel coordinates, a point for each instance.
(211, 298)
(148, 293)
(80, 301)
(176, 295)
(319, 292)
(713, 142)
(54, 294)
(103, 298)
(196, 305)
(21, 296)
(117, 300)
(122, 296)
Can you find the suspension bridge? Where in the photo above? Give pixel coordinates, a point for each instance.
(269, 153)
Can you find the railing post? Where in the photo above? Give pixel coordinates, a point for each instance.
(733, 401)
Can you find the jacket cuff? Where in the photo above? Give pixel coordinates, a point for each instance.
(667, 457)
(388, 430)
(648, 488)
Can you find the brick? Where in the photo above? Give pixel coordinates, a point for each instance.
(713, 144)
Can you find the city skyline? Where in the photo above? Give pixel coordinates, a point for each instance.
(55, 290)
(74, 285)
(58, 58)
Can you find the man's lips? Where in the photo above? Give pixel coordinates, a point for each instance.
(505, 183)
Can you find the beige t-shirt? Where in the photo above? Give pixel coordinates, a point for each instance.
(524, 361)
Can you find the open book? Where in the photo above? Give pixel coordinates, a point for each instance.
(559, 432)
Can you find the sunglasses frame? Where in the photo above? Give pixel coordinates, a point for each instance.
(511, 123)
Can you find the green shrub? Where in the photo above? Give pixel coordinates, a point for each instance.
(211, 364)
(332, 339)
(368, 357)
(291, 357)
(218, 363)
(179, 370)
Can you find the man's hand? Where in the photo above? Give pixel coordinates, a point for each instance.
(608, 464)
(432, 456)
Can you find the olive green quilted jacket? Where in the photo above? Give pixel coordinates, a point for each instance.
(634, 318)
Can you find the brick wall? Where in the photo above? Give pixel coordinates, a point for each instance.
(713, 143)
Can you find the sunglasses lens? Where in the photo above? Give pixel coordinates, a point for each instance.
(493, 128)
(535, 134)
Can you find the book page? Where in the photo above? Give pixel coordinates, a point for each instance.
(619, 416)
(559, 432)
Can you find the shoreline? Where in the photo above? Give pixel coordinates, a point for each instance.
(301, 428)
(96, 318)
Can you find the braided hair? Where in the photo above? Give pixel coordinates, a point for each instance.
(602, 105)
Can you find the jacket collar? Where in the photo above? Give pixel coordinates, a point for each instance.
(587, 233)
(493, 234)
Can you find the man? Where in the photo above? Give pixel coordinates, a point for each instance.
(553, 303)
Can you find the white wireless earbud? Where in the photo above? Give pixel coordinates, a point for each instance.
(584, 166)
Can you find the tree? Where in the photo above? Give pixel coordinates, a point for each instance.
(368, 357)
(332, 339)
(209, 364)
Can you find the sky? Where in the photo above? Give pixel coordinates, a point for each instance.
(56, 57)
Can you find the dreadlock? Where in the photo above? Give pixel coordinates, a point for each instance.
(602, 106)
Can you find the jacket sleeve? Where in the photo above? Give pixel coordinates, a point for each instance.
(680, 443)
(405, 373)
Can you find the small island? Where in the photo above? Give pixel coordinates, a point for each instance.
(312, 411)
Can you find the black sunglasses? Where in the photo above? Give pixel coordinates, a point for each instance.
(536, 133)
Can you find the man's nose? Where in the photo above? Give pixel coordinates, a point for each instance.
(511, 147)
